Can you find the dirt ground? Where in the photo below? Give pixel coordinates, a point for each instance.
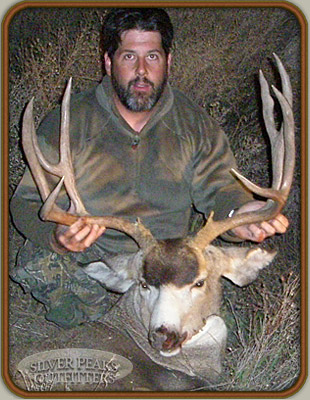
(217, 55)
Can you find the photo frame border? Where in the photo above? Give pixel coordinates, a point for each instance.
(5, 200)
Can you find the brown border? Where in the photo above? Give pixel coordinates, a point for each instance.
(5, 203)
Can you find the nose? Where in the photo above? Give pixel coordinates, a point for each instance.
(141, 67)
(164, 339)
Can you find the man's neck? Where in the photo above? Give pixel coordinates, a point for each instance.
(136, 120)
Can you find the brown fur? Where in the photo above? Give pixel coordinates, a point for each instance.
(170, 262)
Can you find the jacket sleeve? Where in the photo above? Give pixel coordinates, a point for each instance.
(214, 188)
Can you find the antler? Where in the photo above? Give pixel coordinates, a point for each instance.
(283, 161)
(64, 170)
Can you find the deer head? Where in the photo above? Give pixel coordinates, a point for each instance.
(178, 281)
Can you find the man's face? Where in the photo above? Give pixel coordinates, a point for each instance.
(139, 69)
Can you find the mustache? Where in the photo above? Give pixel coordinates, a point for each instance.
(140, 80)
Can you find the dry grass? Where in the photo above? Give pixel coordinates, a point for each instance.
(217, 54)
(265, 357)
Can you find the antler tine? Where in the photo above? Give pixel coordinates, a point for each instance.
(283, 160)
(289, 144)
(30, 146)
(282, 141)
(285, 79)
(64, 167)
(28, 130)
(276, 139)
(65, 163)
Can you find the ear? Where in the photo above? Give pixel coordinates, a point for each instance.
(169, 62)
(107, 63)
(107, 277)
(241, 265)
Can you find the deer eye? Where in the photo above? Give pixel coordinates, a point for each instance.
(199, 284)
(144, 285)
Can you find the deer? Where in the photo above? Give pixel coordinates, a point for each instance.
(177, 284)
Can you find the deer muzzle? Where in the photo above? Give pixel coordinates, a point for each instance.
(168, 342)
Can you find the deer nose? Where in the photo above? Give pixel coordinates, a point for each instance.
(164, 339)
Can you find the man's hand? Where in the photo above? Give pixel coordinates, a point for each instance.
(79, 236)
(259, 232)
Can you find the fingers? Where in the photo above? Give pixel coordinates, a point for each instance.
(93, 235)
(250, 232)
(276, 225)
(256, 234)
(268, 228)
(79, 236)
(280, 223)
(259, 232)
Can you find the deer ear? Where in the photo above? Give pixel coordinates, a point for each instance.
(107, 277)
(241, 265)
(244, 264)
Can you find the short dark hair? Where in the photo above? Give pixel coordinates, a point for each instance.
(120, 20)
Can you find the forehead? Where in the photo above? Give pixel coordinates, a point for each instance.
(135, 38)
(171, 262)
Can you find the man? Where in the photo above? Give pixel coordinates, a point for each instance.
(140, 149)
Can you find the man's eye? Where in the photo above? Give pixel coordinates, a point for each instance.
(128, 56)
(153, 57)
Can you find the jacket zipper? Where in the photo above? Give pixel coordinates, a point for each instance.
(135, 147)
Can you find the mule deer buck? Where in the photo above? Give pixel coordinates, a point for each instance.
(177, 286)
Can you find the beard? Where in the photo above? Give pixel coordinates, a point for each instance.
(138, 102)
